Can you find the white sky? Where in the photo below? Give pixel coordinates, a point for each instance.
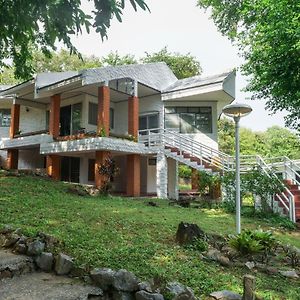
(182, 28)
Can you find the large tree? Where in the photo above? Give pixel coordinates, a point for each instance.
(268, 35)
(29, 25)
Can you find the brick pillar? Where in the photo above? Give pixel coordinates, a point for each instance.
(133, 175)
(53, 166)
(133, 160)
(103, 109)
(195, 179)
(12, 159)
(133, 116)
(15, 120)
(100, 157)
(54, 116)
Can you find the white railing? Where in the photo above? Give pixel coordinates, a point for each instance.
(212, 157)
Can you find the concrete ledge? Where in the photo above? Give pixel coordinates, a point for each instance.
(95, 144)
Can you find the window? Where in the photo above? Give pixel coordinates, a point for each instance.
(148, 121)
(93, 115)
(189, 119)
(5, 117)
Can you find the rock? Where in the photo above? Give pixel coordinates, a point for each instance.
(20, 247)
(11, 240)
(224, 261)
(213, 254)
(63, 265)
(6, 229)
(250, 264)
(120, 295)
(145, 286)
(104, 278)
(289, 274)
(143, 295)
(125, 281)
(45, 261)
(151, 203)
(180, 292)
(187, 233)
(225, 295)
(249, 287)
(271, 270)
(35, 248)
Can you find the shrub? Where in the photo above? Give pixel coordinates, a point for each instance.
(185, 171)
(253, 242)
(198, 245)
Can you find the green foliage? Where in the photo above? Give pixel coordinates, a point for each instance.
(182, 65)
(207, 181)
(253, 242)
(184, 171)
(293, 255)
(108, 170)
(267, 34)
(115, 59)
(41, 24)
(198, 245)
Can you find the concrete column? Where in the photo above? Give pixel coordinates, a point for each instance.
(54, 116)
(12, 159)
(100, 158)
(162, 176)
(173, 179)
(103, 110)
(133, 116)
(53, 166)
(195, 179)
(15, 120)
(133, 175)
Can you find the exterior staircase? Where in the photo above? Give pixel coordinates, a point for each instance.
(199, 156)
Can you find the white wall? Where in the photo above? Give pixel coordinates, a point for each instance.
(32, 119)
(30, 159)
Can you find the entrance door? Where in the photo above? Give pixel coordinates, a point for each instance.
(70, 169)
(65, 120)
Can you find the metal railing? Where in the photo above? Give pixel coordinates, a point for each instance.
(185, 145)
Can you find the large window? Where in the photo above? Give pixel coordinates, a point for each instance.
(93, 115)
(148, 121)
(189, 119)
(4, 117)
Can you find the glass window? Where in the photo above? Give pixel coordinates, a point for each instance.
(189, 119)
(142, 122)
(148, 121)
(5, 117)
(76, 118)
(93, 113)
(111, 118)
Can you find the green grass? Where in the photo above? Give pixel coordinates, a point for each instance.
(126, 233)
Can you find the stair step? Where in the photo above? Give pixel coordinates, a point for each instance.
(11, 264)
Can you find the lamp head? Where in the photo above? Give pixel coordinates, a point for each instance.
(237, 110)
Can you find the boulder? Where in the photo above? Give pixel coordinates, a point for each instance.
(249, 287)
(179, 291)
(120, 295)
(35, 248)
(20, 247)
(6, 229)
(11, 240)
(143, 295)
(225, 295)
(104, 278)
(289, 274)
(187, 233)
(63, 264)
(45, 261)
(125, 281)
(145, 286)
(224, 261)
(250, 264)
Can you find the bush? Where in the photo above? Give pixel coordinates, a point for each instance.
(253, 242)
(198, 245)
(184, 172)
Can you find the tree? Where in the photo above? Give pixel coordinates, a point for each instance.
(115, 59)
(182, 65)
(268, 35)
(33, 25)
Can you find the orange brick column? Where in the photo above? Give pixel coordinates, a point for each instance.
(15, 120)
(54, 116)
(12, 159)
(103, 109)
(133, 160)
(100, 158)
(195, 179)
(53, 166)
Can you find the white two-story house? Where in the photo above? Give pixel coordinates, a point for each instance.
(142, 116)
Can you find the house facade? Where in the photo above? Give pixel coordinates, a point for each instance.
(69, 123)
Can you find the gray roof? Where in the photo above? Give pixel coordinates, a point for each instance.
(4, 87)
(155, 75)
(196, 81)
(49, 78)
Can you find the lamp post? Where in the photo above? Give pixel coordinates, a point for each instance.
(237, 111)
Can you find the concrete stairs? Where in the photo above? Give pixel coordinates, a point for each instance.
(20, 281)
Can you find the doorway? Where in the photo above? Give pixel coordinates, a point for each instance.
(70, 119)
(70, 169)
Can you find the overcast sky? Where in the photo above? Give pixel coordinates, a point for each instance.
(182, 27)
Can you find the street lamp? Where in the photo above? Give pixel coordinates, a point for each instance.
(237, 111)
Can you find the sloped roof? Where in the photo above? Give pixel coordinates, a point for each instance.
(196, 81)
(4, 87)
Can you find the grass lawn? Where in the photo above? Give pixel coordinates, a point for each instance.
(126, 233)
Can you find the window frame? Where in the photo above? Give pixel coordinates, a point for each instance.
(7, 113)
